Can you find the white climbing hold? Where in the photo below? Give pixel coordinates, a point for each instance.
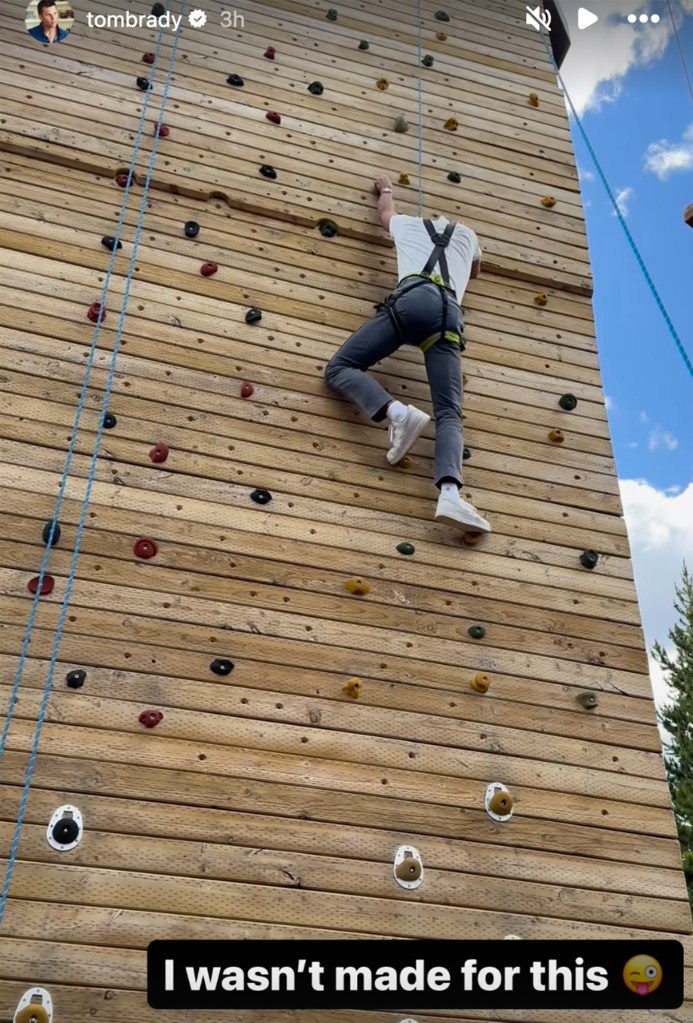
(515, 937)
(39, 1003)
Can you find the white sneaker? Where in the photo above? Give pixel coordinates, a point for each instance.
(405, 433)
(461, 514)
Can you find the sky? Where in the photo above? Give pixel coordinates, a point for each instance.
(628, 85)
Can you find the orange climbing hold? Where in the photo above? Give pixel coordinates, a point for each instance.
(451, 124)
(382, 84)
(441, 36)
(404, 179)
(353, 688)
(358, 586)
(533, 99)
(481, 682)
(549, 201)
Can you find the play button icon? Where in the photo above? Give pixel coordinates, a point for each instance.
(586, 18)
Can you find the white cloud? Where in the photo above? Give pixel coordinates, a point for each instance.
(660, 438)
(585, 175)
(623, 197)
(609, 402)
(644, 418)
(664, 158)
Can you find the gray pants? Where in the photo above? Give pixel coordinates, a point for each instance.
(419, 309)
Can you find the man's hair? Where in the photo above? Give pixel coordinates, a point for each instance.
(42, 4)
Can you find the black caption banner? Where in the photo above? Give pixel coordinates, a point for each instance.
(416, 974)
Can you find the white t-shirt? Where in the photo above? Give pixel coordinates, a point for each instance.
(414, 246)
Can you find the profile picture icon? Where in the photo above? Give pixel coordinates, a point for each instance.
(49, 21)
(642, 974)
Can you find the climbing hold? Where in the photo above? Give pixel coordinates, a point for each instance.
(267, 171)
(158, 10)
(159, 453)
(261, 496)
(353, 688)
(145, 548)
(364, 44)
(147, 58)
(533, 99)
(406, 548)
(246, 389)
(357, 586)
(589, 559)
(110, 243)
(64, 828)
(472, 539)
(548, 201)
(47, 532)
(401, 125)
(162, 130)
(441, 36)
(46, 586)
(96, 313)
(328, 228)
(466, 453)
(317, 88)
(407, 867)
(465, 379)
(512, 937)
(75, 679)
(236, 79)
(405, 463)
(144, 84)
(150, 718)
(441, 16)
(541, 299)
(109, 421)
(451, 124)
(404, 179)
(481, 682)
(382, 84)
(567, 402)
(498, 802)
(476, 631)
(207, 269)
(331, 14)
(273, 116)
(455, 177)
(557, 436)
(587, 700)
(191, 229)
(270, 53)
(253, 315)
(123, 180)
(35, 1006)
(222, 666)
(427, 61)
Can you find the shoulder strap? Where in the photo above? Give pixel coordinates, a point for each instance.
(441, 242)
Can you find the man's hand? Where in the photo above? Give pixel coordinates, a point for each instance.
(380, 183)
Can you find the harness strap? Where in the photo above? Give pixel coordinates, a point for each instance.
(441, 242)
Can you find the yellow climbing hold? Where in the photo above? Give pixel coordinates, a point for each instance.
(541, 299)
(382, 84)
(500, 803)
(451, 124)
(358, 586)
(353, 688)
(441, 36)
(533, 99)
(409, 869)
(404, 179)
(481, 682)
(557, 436)
(548, 201)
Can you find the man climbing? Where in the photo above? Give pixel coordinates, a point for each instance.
(424, 310)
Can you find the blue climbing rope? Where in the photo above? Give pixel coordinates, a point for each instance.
(92, 470)
(617, 212)
(420, 55)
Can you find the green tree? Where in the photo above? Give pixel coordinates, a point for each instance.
(677, 719)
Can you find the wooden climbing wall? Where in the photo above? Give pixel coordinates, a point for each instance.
(267, 803)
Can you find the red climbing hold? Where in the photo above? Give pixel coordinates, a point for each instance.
(147, 58)
(46, 586)
(146, 548)
(273, 116)
(121, 179)
(96, 313)
(162, 130)
(246, 389)
(159, 453)
(150, 718)
(270, 53)
(207, 269)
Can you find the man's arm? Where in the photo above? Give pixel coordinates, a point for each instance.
(386, 202)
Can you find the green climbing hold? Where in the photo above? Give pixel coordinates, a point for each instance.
(587, 700)
(441, 16)
(328, 228)
(316, 88)
(400, 124)
(567, 402)
(364, 44)
(427, 61)
(331, 14)
(589, 559)
(455, 177)
(405, 548)
(477, 631)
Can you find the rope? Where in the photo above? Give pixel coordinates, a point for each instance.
(420, 55)
(684, 65)
(92, 471)
(617, 213)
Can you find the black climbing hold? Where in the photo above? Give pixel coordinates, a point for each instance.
(261, 496)
(427, 61)
(235, 80)
(477, 631)
(110, 243)
(47, 532)
(192, 229)
(317, 88)
(158, 10)
(466, 453)
(222, 666)
(441, 16)
(455, 177)
(405, 548)
(75, 679)
(253, 315)
(267, 171)
(143, 84)
(65, 831)
(364, 45)
(589, 559)
(328, 228)
(567, 402)
(109, 421)
(331, 14)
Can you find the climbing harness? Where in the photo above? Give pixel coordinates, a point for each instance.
(440, 243)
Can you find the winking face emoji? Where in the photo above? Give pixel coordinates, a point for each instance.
(642, 974)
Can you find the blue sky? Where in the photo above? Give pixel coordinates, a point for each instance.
(628, 84)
